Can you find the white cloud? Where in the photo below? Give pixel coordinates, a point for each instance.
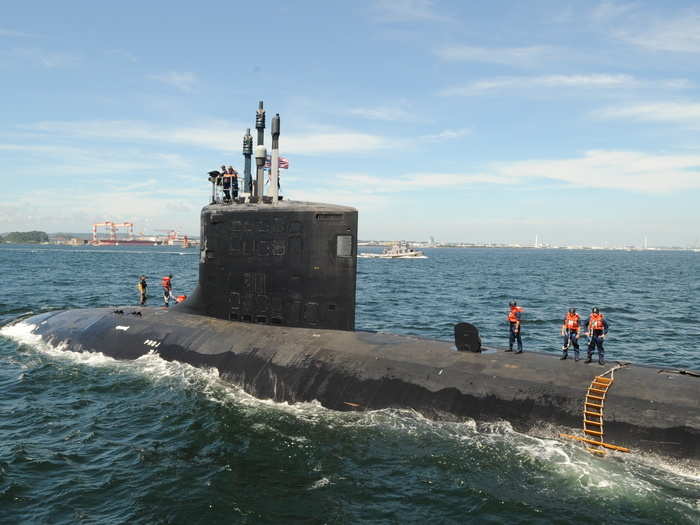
(38, 148)
(392, 114)
(676, 112)
(447, 134)
(366, 183)
(338, 142)
(184, 81)
(215, 135)
(589, 81)
(71, 210)
(407, 10)
(608, 11)
(58, 161)
(47, 59)
(626, 170)
(361, 180)
(661, 31)
(623, 170)
(85, 185)
(122, 54)
(15, 34)
(421, 181)
(676, 83)
(679, 33)
(510, 56)
(344, 196)
(620, 170)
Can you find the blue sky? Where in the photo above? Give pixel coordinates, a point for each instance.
(472, 121)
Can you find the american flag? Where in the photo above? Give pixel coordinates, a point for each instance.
(284, 163)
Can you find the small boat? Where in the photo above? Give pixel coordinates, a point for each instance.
(400, 250)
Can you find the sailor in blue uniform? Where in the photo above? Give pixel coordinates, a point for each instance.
(514, 314)
(597, 327)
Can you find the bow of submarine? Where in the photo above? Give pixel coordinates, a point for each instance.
(346, 370)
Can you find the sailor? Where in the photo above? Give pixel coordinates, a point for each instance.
(167, 283)
(514, 319)
(219, 180)
(570, 331)
(225, 183)
(141, 286)
(233, 181)
(597, 327)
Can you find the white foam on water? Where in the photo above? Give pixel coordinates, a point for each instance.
(206, 380)
(23, 333)
(567, 460)
(150, 365)
(323, 482)
(616, 475)
(684, 470)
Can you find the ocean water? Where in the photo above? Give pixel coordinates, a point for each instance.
(88, 439)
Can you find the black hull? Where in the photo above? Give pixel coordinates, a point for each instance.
(345, 370)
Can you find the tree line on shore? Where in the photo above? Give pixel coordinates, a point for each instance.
(24, 237)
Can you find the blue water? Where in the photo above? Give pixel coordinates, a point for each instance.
(87, 439)
(651, 299)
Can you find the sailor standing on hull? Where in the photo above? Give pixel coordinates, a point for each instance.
(570, 331)
(597, 328)
(142, 287)
(167, 283)
(514, 314)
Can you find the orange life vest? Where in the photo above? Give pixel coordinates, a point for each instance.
(166, 282)
(572, 321)
(595, 322)
(513, 314)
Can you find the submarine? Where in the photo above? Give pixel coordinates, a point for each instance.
(274, 313)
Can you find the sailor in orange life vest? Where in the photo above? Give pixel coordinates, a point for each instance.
(167, 283)
(570, 331)
(514, 327)
(597, 328)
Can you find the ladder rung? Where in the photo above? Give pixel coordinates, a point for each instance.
(603, 379)
(599, 414)
(597, 390)
(595, 397)
(593, 404)
(593, 422)
(598, 443)
(595, 432)
(606, 385)
(596, 451)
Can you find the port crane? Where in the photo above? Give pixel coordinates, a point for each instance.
(112, 230)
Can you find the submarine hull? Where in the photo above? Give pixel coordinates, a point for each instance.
(645, 409)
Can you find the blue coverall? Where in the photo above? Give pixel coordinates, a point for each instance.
(596, 341)
(570, 338)
(514, 333)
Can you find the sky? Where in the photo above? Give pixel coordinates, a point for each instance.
(574, 121)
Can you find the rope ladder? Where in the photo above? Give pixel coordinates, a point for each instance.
(593, 408)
